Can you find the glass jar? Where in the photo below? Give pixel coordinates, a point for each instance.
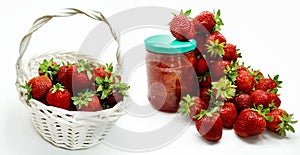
(170, 71)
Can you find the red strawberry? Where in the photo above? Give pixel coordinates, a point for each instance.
(181, 27)
(269, 84)
(113, 99)
(204, 94)
(275, 100)
(281, 122)
(251, 122)
(228, 114)
(49, 68)
(78, 76)
(261, 97)
(217, 68)
(223, 89)
(230, 52)
(215, 43)
(62, 72)
(201, 66)
(59, 97)
(204, 80)
(244, 82)
(38, 87)
(207, 22)
(242, 101)
(209, 125)
(87, 101)
(191, 106)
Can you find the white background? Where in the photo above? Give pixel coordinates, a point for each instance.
(265, 31)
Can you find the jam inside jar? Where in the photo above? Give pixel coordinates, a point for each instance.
(170, 71)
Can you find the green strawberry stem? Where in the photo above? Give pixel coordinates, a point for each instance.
(83, 98)
(285, 124)
(82, 66)
(263, 112)
(231, 71)
(218, 20)
(185, 104)
(48, 68)
(29, 89)
(215, 48)
(225, 89)
(57, 87)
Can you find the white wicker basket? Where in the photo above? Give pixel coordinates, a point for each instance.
(66, 129)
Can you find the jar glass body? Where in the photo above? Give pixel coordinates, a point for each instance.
(170, 77)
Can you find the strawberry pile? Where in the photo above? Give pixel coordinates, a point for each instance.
(231, 95)
(80, 86)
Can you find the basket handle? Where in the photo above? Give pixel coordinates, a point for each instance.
(64, 13)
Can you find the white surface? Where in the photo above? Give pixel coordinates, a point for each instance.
(266, 33)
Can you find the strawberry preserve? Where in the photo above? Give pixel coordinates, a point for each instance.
(170, 70)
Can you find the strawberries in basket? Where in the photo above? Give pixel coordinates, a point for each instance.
(83, 84)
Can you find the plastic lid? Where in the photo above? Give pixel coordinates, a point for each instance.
(167, 44)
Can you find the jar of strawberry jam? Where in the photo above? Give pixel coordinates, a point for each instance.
(170, 71)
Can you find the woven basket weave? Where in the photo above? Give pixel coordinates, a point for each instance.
(67, 129)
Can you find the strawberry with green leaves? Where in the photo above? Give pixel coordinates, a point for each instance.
(207, 22)
(209, 125)
(191, 106)
(59, 97)
(215, 44)
(38, 87)
(260, 97)
(181, 27)
(252, 122)
(204, 80)
(49, 68)
(205, 94)
(62, 71)
(79, 76)
(87, 100)
(217, 68)
(269, 84)
(281, 123)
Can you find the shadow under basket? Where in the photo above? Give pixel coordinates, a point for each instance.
(66, 129)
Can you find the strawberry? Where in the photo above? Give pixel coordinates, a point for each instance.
(209, 125)
(260, 97)
(78, 76)
(49, 68)
(223, 89)
(230, 52)
(181, 27)
(281, 122)
(228, 114)
(215, 43)
(204, 94)
(217, 68)
(207, 22)
(113, 99)
(201, 66)
(251, 122)
(244, 82)
(204, 80)
(269, 84)
(62, 72)
(87, 101)
(191, 106)
(275, 100)
(38, 87)
(59, 97)
(242, 101)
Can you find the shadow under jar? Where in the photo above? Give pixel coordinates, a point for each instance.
(170, 71)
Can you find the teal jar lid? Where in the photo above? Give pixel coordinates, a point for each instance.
(167, 44)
